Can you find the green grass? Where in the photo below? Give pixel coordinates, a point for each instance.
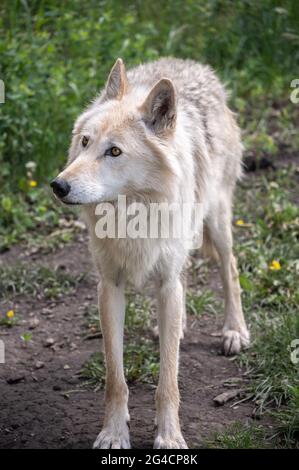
(29, 215)
(137, 315)
(56, 240)
(92, 318)
(141, 354)
(270, 297)
(288, 420)
(26, 337)
(240, 436)
(37, 281)
(141, 363)
(203, 302)
(8, 322)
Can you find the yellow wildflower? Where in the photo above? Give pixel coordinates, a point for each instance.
(10, 314)
(32, 183)
(275, 265)
(240, 222)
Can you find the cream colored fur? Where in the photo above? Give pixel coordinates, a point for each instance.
(179, 143)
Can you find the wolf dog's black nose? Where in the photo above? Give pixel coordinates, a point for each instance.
(60, 187)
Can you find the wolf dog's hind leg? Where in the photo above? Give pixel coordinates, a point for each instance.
(235, 335)
(115, 432)
(170, 308)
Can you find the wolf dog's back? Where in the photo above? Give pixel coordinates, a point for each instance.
(194, 82)
(200, 94)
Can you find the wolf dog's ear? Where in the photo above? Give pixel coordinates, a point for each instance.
(117, 82)
(159, 108)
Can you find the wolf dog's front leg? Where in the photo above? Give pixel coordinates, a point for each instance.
(170, 311)
(115, 432)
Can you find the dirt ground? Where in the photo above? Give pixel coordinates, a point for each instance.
(49, 407)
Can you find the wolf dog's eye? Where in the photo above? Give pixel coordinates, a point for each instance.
(114, 152)
(84, 141)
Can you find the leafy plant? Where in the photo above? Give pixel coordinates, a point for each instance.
(38, 281)
(141, 364)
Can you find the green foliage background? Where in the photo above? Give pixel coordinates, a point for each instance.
(55, 55)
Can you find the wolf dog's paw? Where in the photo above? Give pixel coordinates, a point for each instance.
(233, 342)
(170, 442)
(113, 438)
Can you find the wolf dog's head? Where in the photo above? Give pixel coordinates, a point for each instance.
(122, 143)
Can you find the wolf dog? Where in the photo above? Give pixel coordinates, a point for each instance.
(160, 132)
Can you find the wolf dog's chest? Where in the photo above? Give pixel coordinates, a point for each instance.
(133, 260)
